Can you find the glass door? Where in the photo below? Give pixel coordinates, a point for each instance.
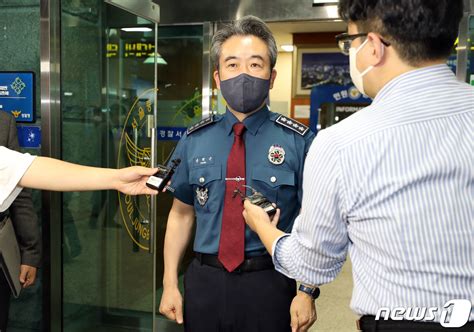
(109, 84)
(128, 95)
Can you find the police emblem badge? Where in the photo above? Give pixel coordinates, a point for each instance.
(276, 155)
(202, 195)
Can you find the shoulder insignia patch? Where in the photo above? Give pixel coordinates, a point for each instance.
(292, 124)
(200, 124)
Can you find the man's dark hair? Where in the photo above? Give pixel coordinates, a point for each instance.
(247, 25)
(419, 30)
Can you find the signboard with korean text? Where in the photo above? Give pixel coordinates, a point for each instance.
(346, 96)
(17, 95)
(170, 133)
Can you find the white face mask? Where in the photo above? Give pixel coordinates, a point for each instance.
(356, 76)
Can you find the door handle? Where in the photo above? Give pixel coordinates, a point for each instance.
(152, 132)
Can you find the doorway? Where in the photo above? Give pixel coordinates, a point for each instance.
(129, 89)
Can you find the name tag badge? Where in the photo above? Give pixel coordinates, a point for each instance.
(203, 161)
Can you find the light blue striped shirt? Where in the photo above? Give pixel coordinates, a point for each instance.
(393, 185)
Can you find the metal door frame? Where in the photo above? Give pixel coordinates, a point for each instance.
(50, 60)
(150, 11)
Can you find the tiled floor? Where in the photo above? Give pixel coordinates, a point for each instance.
(332, 307)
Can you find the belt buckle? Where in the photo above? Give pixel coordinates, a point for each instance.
(198, 257)
(238, 269)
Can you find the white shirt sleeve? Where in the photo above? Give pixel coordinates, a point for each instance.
(316, 249)
(13, 166)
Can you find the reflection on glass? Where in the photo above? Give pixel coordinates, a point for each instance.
(107, 276)
(108, 72)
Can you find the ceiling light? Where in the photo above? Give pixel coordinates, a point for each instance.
(287, 47)
(137, 29)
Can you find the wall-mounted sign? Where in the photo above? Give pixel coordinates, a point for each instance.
(347, 95)
(29, 136)
(17, 95)
(170, 133)
(452, 62)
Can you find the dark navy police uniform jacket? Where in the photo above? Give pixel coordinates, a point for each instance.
(200, 179)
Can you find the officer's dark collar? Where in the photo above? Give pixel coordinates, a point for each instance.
(252, 123)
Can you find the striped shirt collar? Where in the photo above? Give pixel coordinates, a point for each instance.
(413, 78)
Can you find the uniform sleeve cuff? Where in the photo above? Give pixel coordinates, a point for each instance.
(183, 198)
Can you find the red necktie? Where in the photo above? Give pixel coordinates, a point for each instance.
(231, 244)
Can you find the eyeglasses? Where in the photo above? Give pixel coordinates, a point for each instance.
(344, 41)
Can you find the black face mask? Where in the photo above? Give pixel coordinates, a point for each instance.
(245, 93)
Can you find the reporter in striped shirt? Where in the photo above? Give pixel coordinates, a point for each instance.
(393, 184)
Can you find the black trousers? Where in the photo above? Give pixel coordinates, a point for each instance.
(369, 324)
(4, 302)
(218, 301)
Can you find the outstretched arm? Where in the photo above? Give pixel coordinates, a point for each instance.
(52, 174)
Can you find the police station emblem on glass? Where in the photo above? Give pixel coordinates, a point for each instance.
(135, 150)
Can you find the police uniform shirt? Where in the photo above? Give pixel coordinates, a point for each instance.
(13, 166)
(200, 180)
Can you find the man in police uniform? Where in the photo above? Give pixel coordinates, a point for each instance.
(232, 284)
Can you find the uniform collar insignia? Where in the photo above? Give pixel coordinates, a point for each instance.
(294, 125)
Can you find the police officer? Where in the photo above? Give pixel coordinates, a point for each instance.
(231, 285)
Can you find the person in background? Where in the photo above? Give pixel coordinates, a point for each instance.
(19, 170)
(25, 223)
(393, 184)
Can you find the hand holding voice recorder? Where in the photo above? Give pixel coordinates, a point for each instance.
(258, 199)
(160, 179)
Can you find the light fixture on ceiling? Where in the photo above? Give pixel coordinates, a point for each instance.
(136, 29)
(288, 48)
(317, 3)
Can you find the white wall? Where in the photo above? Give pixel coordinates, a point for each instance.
(280, 95)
